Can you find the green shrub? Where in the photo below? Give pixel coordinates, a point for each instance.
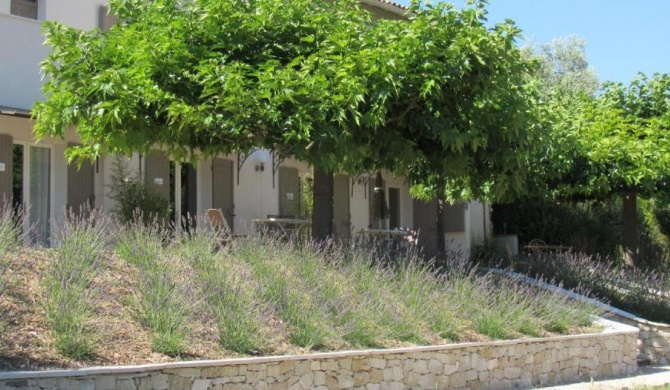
(134, 199)
(591, 227)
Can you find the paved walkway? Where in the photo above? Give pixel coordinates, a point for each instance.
(650, 376)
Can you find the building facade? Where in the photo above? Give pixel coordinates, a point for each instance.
(245, 187)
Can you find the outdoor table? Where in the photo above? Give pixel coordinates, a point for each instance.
(388, 237)
(288, 227)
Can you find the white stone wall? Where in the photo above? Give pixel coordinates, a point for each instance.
(653, 339)
(494, 365)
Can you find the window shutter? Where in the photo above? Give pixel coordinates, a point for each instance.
(24, 8)
(107, 18)
(6, 158)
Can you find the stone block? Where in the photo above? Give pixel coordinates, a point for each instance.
(361, 378)
(159, 381)
(420, 367)
(376, 375)
(330, 365)
(185, 372)
(457, 380)
(86, 384)
(345, 364)
(201, 384)
(435, 366)
(331, 382)
(144, 383)
(345, 381)
(373, 386)
(396, 386)
(52, 383)
(427, 381)
(512, 372)
(377, 363)
(319, 378)
(129, 384)
(220, 371)
(360, 365)
(236, 386)
(450, 369)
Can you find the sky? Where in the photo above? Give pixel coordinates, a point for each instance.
(623, 36)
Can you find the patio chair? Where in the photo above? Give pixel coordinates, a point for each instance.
(219, 224)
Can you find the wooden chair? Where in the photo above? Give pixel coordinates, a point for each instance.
(218, 223)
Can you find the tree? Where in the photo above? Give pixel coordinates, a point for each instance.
(436, 96)
(599, 141)
(624, 138)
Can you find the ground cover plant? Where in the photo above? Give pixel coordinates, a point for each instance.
(152, 297)
(640, 291)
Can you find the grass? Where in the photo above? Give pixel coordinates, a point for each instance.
(190, 297)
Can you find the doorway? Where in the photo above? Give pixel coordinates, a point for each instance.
(31, 188)
(185, 203)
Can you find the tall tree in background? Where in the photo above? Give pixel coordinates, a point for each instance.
(600, 142)
(624, 135)
(436, 96)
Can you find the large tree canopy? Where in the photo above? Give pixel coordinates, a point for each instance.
(438, 97)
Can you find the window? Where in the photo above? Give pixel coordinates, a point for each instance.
(24, 8)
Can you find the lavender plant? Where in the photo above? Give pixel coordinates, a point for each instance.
(640, 291)
(78, 242)
(229, 294)
(162, 296)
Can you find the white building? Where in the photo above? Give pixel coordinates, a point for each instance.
(37, 174)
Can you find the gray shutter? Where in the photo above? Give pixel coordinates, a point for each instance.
(394, 207)
(24, 8)
(454, 218)
(157, 174)
(107, 18)
(6, 158)
(425, 221)
(222, 189)
(289, 192)
(374, 223)
(341, 213)
(80, 188)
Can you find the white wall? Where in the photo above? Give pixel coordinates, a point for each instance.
(81, 14)
(5, 6)
(21, 52)
(254, 197)
(359, 205)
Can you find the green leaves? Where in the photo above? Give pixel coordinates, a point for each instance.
(436, 96)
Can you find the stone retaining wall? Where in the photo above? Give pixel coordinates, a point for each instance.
(491, 365)
(654, 338)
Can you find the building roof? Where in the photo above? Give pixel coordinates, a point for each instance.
(13, 111)
(387, 5)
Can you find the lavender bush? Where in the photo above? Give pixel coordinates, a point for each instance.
(78, 244)
(639, 291)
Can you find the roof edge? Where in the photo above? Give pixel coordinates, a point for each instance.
(389, 6)
(13, 111)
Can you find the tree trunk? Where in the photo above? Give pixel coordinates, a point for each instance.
(629, 238)
(322, 214)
